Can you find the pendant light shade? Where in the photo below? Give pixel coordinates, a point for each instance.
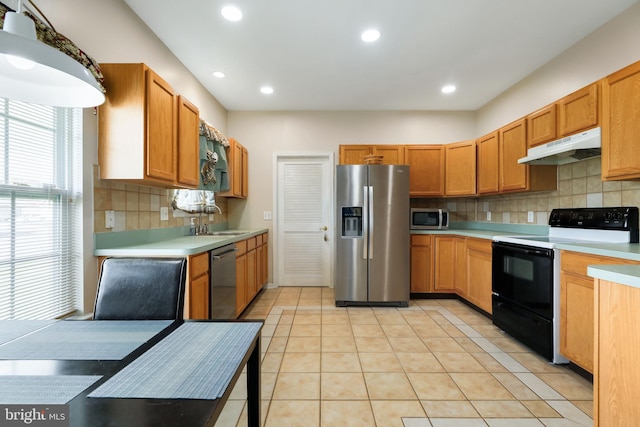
(34, 72)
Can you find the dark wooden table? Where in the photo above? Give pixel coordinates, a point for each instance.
(85, 411)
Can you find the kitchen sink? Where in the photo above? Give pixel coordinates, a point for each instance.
(225, 233)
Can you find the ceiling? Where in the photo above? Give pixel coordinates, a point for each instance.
(310, 51)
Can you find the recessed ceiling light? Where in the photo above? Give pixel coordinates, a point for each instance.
(232, 13)
(218, 74)
(267, 90)
(370, 35)
(448, 89)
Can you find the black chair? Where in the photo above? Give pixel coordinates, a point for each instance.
(141, 289)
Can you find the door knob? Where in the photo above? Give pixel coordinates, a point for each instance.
(325, 228)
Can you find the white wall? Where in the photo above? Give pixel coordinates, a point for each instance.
(613, 46)
(266, 133)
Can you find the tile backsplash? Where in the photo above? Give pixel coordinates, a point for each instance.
(579, 186)
(137, 207)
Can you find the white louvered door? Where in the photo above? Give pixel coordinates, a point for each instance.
(304, 221)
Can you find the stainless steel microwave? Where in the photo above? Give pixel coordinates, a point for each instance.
(425, 219)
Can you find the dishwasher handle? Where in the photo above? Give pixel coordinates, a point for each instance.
(224, 254)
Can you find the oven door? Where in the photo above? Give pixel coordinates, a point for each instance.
(523, 275)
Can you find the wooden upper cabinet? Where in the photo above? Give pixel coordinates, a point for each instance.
(579, 110)
(541, 126)
(488, 163)
(513, 146)
(238, 168)
(620, 125)
(354, 154)
(188, 143)
(460, 168)
(392, 154)
(426, 169)
(138, 129)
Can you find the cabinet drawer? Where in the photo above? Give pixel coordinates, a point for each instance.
(198, 264)
(241, 247)
(251, 243)
(576, 263)
(420, 240)
(259, 240)
(265, 238)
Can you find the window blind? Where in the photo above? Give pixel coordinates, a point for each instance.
(40, 212)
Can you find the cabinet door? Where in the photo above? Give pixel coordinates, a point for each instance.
(576, 324)
(488, 153)
(188, 143)
(392, 154)
(245, 172)
(444, 265)
(541, 126)
(513, 146)
(426, 172)
(265, 259)
(241, 283)
(199, 298)
(460, 169)
(578, 111)
(460, 272)
(160, 128)
(252, 277)
(479, 273)
(354, 154)
(421, 263)
(238, 160)
(621, 127)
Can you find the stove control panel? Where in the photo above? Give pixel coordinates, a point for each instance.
(615, 218)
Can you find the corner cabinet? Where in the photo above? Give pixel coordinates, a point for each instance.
(460, 168)
(238, 169)
(146, 134)
(620, 125)
(426, 170)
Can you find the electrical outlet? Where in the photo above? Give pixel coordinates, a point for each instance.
(266, 215)
(488, 216)
(109, 219)
(164, 213)
(530, 216)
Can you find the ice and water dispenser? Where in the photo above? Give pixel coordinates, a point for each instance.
(352, 221)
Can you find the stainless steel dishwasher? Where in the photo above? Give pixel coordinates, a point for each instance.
(223, 283)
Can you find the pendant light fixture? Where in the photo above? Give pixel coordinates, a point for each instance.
(34, 72)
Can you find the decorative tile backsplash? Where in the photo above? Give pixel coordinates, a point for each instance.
(579, 186)
(137, 207)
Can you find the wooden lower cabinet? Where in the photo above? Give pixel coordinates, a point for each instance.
(479, 273)
(421, 263)
(576, 306)
(197, 289)
(449, 271)
(251, 270)
(616, 384)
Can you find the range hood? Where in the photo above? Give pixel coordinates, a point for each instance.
(570, 149)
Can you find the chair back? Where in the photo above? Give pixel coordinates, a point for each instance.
(141, 289)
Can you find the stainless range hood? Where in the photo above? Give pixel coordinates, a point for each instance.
(570, 149)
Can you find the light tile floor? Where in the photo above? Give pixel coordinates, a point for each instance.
(436, 363)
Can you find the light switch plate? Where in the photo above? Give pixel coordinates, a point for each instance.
(530, 216)
(266, 215)
(488, 216)
(109, 219)
(164, 213)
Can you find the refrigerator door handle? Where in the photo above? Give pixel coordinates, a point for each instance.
(371, 227)
(365, 221)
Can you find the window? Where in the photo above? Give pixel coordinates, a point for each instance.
(40, 212)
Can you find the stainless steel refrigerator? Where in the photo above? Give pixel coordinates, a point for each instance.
(372, 241)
